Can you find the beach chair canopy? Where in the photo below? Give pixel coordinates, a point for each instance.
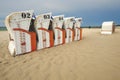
(58, 21)
(78, 22)
(68, 22)
(43, 20)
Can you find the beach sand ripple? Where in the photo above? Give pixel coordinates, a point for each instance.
(96, 57)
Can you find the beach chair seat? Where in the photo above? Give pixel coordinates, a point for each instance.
(45, 38)
(78, 34)
(59, 36)
(70, 33)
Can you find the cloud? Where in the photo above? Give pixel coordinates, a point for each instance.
(72, 5)
(40, 6)
(90, 10)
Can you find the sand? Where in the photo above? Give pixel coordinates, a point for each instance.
(96, 57)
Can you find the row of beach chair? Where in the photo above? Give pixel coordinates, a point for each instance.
(28, 32)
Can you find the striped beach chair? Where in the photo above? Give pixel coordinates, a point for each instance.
(59, 31)
(22, 40)
(108, 27)
(44, 31)
(78, 30)
(69, 27)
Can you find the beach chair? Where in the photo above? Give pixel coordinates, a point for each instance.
(59, 32)
(69, 28)
(44, 31)
(78, 30)
(21, 39)
(108, 27)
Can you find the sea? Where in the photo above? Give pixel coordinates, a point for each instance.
(2, 25)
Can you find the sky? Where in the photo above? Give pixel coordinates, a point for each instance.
(92, 12)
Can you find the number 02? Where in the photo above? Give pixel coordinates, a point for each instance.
(25, 15)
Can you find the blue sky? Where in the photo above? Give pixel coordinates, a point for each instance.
(93, 12)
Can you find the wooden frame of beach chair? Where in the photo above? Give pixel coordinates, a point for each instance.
(78, 30)
(69, 27)
(44, 31)
(108, 27)
(21, 39)
(59, 32)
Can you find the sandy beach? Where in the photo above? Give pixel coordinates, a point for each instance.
(96, 57)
